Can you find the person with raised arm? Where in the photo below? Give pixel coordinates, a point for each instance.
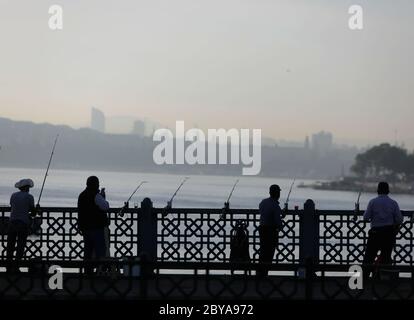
(93, 220)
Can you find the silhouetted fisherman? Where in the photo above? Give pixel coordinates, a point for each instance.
(93, 220)
(385, 217)
(270, 225)
(22, 204)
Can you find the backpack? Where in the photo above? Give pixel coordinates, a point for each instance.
(35, 226)
(239, 243)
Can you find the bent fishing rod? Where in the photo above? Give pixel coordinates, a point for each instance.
(121, 212)
(169, 203)
(286, 208)
(47, 171)
(356, 212)
(227, 203)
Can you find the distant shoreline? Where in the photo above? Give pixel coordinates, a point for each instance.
(357, 186)
(158, 172)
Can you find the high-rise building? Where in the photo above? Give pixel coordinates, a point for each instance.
(97, 120)
(322, 142)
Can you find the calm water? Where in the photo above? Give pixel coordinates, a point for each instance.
(63, 186)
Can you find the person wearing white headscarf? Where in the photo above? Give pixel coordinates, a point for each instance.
(22, 205)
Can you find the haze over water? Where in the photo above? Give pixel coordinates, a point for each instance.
(63, 187)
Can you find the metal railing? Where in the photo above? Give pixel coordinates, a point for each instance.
(203, 235)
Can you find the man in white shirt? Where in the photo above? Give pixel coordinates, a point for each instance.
(22, 205)
(385, 217)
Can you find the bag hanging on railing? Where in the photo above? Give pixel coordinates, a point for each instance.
(131, 269)
(35, 227)
(239, 243)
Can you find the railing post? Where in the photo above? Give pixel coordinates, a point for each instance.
(147, 231)
(144, 278)
(309, 234)
(309, 279)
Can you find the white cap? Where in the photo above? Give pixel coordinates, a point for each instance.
(24, 183)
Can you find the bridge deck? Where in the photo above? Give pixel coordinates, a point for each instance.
(193, 287)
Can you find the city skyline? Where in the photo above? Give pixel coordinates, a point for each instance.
(116, 125)
(288, 68)
(237, 152)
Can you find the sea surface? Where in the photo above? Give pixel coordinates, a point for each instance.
(63, 187)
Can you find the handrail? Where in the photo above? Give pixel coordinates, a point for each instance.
(252, 211)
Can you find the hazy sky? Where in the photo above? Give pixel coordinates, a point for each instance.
(288, 67)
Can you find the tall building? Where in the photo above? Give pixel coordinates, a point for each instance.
(97, 120)
(322, 142)
(139, 128)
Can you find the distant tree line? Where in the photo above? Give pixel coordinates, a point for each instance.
(385, 161)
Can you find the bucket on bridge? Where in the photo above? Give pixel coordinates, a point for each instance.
(131, 267)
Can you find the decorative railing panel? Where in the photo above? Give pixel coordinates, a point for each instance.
(343, 237)
(204, 235)
(58, 236)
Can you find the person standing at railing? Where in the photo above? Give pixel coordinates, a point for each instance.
(93, 220)
(386, 218)
(22, 208)
(270, 225)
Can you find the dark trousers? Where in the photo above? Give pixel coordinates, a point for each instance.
(379, 239)
(93, 246)
(17, 233)
(269, 239)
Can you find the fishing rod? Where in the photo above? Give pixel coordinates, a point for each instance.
(35, 225)
(286, 207)
(288, 197)
(169, 203)
(47, 171)
(121, 212)
(357, 203)
(232, 190)
(227, 203)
